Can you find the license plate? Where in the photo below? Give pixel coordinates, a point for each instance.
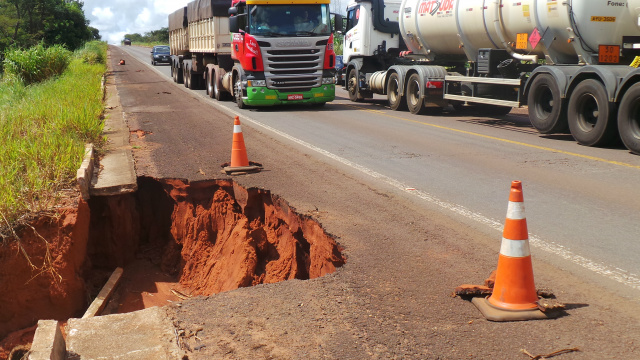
(294, 97)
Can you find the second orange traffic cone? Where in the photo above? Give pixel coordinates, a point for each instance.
(239, 159)
(514, 294)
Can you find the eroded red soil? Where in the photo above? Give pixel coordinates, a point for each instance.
(41, 270)
(195, 238)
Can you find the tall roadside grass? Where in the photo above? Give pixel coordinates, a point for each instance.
(37, 63)
(44, 126)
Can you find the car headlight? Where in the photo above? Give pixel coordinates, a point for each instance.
(328, 80)
(257, 83)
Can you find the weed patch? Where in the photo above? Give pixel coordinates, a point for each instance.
(44, 127)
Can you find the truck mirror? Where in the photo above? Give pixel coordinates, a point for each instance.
(233, 24)
(233, 10)
(338, 23)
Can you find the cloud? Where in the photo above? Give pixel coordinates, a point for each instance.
(120, 17)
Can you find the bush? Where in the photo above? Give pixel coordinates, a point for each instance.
(37, 63)
(94, 52)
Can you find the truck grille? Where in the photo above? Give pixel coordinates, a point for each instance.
(288, 68)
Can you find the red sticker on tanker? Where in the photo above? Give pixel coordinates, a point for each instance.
(294, 97)
(434, 6)
(534, 39)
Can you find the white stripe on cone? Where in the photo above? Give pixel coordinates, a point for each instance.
(515, 210)
(237, 129)
(515, 248)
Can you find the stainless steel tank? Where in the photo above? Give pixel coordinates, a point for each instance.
(563, 32)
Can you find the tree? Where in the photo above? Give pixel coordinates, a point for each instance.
(95, 33)
(25, 23)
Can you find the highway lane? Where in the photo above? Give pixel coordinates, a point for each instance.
(582, 203)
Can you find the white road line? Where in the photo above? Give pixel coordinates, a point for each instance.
(620, 275)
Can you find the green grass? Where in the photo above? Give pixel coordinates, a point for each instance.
(36, 64)
(44, 127)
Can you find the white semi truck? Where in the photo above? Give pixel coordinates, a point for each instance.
(572, 62)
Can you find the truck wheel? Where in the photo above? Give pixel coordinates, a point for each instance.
(396, 101)
(193, 81)
(186, 76)
(179, 75)
(238, 93)
(209, 80)
(352, 87)
(591, 116)
(629, 119)
(415, 100)
(218, 93)
(547, 110)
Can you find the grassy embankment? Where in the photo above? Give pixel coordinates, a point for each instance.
(50, 106)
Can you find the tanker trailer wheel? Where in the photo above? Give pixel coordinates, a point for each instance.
(591, 116)
(352, 87)
(547, 110)
(414, 95)
(629, 119)
(396, 101)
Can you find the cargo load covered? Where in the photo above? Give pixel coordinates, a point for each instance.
(205, 9)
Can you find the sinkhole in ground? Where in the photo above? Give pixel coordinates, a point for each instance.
(173, 238)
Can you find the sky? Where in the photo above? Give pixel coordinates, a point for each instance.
(114, 18)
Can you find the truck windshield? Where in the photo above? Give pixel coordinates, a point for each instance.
(289, 20)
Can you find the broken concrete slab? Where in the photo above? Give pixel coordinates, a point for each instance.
(48, 343)
(139, 335)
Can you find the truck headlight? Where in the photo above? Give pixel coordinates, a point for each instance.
(255, 83)
(328, 80)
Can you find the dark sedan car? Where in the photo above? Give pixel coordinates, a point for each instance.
(339, 70)
(160, 54)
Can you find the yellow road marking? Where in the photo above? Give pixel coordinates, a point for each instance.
(497, 138)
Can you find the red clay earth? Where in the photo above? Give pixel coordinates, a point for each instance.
(40, 274)
(210, 236)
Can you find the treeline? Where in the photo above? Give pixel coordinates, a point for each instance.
(155, 36)
(25, 23)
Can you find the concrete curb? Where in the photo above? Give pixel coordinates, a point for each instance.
(85, 172)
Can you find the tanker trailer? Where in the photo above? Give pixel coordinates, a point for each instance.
(573, 63)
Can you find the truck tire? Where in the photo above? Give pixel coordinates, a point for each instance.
(414, 95)
(591, 116)
(217, 92)
(547, 110)
(186, 76)
(396, 101)
(352, 87)
(209, 84)
(238, 94)
(629, 119)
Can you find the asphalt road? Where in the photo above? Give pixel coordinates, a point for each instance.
(418, 203)
(583, 204)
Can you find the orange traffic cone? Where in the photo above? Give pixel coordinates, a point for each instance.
(514, 294)
(239, 159)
